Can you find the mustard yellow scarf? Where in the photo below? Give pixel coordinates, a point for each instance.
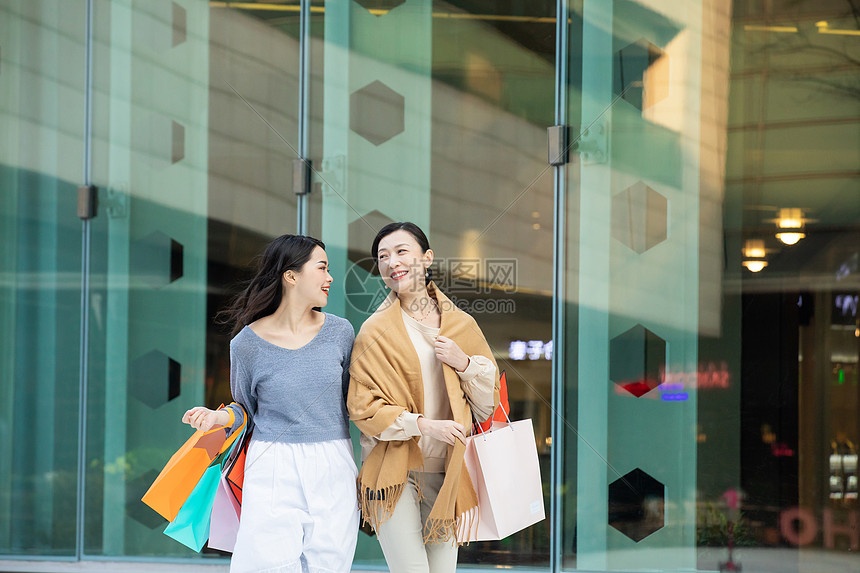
(385, 381)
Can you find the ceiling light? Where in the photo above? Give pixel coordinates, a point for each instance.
(754, 249)
(790, 238)
(760, 28)
(791, 222)
(755, 265)
(824, 28)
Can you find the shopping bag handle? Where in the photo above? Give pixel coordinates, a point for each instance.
(502, 406)
(231, 439)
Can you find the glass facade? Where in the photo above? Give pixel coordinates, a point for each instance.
(651, 207)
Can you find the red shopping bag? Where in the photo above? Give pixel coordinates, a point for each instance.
(234, 476)
(499, 414)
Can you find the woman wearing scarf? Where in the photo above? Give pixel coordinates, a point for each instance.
(421, 373)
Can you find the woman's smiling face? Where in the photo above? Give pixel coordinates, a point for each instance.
(313, 282)
(402, 263)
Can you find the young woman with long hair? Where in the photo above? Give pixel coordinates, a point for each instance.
(422, 372)
(289, 366)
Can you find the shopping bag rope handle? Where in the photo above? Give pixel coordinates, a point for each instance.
(502, 406)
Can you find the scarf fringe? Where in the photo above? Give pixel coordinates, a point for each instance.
(377, 506)
(467, 523)
(442, 530)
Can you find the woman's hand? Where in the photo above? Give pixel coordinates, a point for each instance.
(451, 354)
(201, 418)
(447, 431)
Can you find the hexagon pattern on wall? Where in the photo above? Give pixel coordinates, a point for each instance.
(136, 509)
(639, 217)
(161, 25)
(636, 359)
(180, 17)
(379, 7)
(177, 142)
(376, 112)
(157, 259)
(637, 505)
(159, 139)
(641, 73)
(361, 234)
(154, 378)
(361, 283)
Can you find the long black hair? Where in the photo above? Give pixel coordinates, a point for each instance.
(262, 295)
(410, 228)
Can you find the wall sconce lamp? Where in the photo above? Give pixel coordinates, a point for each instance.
(754, 255)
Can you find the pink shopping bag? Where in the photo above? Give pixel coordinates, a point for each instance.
(503, 464)
(224, 523)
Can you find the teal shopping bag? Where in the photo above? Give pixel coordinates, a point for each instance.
(191, 525)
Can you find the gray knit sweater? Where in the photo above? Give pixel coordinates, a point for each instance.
(298, 395)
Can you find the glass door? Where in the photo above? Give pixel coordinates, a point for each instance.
(632, 284)
(195, 122)
(42, 59)
(436, 113)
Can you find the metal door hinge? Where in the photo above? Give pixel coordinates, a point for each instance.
(87, 202)
(557, 136)
(301, 176)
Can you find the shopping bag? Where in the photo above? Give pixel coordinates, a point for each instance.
(234, 474)
(503, 465)
(499, 415)
(224, 523)
(227, 507)
(184, 469)
(190, 527)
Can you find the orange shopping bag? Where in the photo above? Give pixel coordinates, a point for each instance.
(185, 468)
(499, 414)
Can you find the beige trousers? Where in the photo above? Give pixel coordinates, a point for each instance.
(401, 536)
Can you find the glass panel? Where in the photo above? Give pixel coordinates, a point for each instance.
(632, 287)
(195, 122)
(42, 56)
(437, 114)
(711, 365)
(791, 194)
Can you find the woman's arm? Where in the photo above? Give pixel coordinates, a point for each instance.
(478, 381)
(201, 418)
(405, 427)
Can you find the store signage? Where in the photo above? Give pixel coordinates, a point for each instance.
(709, 375)
(799, 526)
(673, 386)
(530, 350)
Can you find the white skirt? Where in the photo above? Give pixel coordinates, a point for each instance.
(299, 509)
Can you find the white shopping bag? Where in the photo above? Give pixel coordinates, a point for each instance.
(503, 465)
(224, 523)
